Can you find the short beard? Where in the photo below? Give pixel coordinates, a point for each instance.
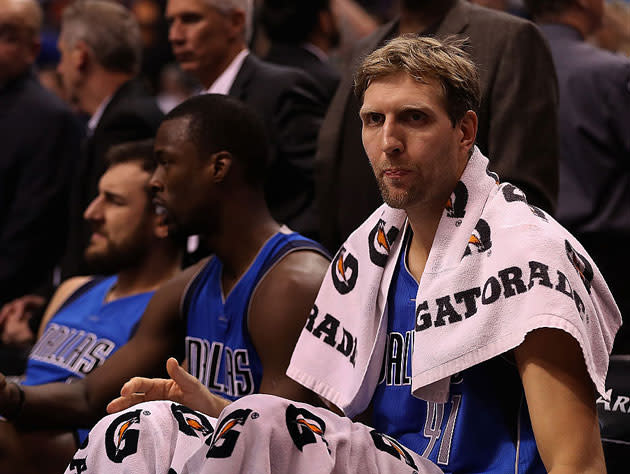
(119, 257)
(397, 200)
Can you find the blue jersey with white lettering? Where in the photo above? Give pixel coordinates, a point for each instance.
(83, 333)
(483, 428)
(219, 349)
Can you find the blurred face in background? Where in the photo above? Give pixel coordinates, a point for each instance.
(19, 39)
(203, 38)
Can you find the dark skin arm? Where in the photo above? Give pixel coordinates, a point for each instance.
(60, 405)
(277, 315)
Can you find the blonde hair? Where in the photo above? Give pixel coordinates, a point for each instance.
(424, 59)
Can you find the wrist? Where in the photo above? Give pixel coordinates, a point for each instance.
(18, 403)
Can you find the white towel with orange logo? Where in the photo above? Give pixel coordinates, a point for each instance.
(498, 269)
(258, 434)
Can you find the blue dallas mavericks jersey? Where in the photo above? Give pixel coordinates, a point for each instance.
(485, 425)
(83, 333)
(219, 351)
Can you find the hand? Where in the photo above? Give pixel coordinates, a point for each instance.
(17, 331)
(180, 388)
(14, 317)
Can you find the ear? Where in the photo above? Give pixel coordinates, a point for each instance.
(35, 48)
(468, 128)
(81, 55)
(219, 166)
(238, 23)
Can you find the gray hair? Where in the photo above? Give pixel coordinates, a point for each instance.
(109, 29)
(246, 5)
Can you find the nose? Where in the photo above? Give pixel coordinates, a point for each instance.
(392, 140)
(175, 32)
(155, 183)
(94, 210)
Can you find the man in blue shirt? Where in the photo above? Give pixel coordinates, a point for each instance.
(90, 318)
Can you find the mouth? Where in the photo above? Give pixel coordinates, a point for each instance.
(395, 173)
(184, 56)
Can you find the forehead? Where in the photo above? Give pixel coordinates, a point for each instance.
(18, 13)
(126, 179)
(401, 89)
(179, 7)
(172, 133)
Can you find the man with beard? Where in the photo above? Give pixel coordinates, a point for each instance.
(89, 318)
(507, 49)
(239, 312)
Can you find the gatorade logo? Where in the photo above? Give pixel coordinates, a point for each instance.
(344, 271)
(480, 239)
(379, 242)
(456, 204)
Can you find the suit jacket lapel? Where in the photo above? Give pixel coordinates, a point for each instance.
(241, 81)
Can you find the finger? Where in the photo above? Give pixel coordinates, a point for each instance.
(179, 375)
(122, 403)
(137, 385)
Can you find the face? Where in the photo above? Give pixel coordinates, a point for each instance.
(18, 43)
(416, 153)
(202, 37)
(122, 219)
(179, 183)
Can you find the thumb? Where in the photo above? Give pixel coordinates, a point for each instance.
(179, 375)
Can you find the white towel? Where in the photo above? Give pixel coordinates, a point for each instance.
(498, 269)
(258, 434)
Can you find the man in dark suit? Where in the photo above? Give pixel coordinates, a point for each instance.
(593, 122)
(40, 140)
(209, 40)
(302, 35)
(517, 120)
(100, 56)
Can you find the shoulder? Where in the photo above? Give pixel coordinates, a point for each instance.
(35, 98)
(296, 277)
(131, 103)
(65, 290)
(281, 81)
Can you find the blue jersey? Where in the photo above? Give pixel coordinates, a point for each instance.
(485, 425)
(219, 350)
(83, 333)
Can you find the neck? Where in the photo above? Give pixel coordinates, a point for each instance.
(157, 268)
(416, 17)
(208, 76)
(98, 87)
(424, 222)
(236, 242)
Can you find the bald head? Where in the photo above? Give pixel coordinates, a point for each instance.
(20, 24)
(27, 13)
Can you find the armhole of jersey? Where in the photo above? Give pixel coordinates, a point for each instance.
(286, 249)
(189, 289)
(80, 290)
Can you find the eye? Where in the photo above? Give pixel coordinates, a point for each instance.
(416, 115)
(373, 118)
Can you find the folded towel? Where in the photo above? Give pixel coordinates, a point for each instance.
(498, 269)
